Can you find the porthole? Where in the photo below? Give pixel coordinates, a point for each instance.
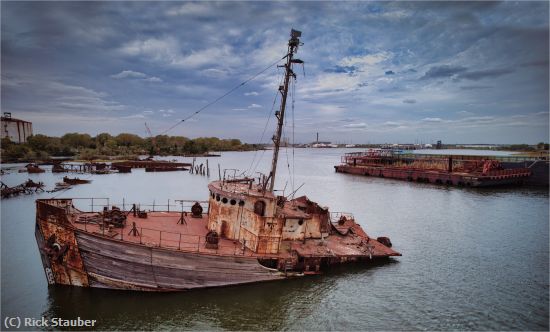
(218, 198)
(233, 202)
(224, 200)
(301, 222)
(213, 195)
(241, 203)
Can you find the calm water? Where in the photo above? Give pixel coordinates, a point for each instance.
(473, 259)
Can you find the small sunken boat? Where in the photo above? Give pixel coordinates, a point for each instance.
(165, 169)
(244, 233)
(34, 169)
(73, 181)
(148, 163)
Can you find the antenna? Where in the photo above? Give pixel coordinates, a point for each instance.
(293, 44)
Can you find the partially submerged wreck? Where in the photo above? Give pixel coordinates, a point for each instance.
(468, 171)
(244, 233)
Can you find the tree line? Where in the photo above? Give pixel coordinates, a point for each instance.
(104, 145)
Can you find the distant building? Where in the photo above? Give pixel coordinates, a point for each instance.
(324, 145)
(16, 130)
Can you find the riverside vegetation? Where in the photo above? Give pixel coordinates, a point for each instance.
(106, 146)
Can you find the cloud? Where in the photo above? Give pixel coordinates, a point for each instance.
(153, 79)
(56, 96)
(130, 74)
(133, 116)
(460, 72)
(251, 93)
(254, 106)
(366, 60)
(536, 63)
(481, 74)
(169, 51)
(215, 73)
(360, 125)
(329, 110)
(486, 60)
(475, 87)
(391, 124)
(190, 9)
(443, 71)
(342, 69)
(432, 120)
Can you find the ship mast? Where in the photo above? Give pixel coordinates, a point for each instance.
(293, 44)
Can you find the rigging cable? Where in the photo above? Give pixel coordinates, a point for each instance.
(291, 173)
(263, 133)
(223, 96)
(293, 141)
(263, 151)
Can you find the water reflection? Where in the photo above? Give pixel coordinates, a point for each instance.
(262, 306)
(250, 307)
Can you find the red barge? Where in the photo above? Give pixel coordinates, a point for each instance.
(471, 171)
(244, 233)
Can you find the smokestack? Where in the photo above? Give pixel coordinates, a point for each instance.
(317, 141)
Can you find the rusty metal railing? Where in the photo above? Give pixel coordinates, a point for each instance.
(335, 216)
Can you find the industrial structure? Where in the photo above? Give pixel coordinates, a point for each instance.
(18, 131)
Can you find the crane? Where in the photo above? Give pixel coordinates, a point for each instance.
(153, 141)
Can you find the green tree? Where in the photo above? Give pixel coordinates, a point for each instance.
(128, 140)
(76, 140)
(102, 138)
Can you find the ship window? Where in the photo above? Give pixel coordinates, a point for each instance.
(301, 222)
(213, 196)
(241, 203)
(259, 208)
(218, 198)
(224, 200)
(233, 202)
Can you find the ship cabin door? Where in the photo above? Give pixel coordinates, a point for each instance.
(225, 229)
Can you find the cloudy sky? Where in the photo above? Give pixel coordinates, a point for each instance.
(374, 72)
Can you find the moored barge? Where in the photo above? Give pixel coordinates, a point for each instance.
(244, 233)
(470, 171)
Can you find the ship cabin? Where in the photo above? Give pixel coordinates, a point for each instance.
(243, 211)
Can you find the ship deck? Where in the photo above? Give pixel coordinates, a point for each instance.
(166, 230)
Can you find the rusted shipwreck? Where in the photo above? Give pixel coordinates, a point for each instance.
(244, 233)
(468, 171)
(150, 166)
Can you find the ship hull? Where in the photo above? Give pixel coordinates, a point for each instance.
(106, 263)
(76, 251)
(433, 176)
